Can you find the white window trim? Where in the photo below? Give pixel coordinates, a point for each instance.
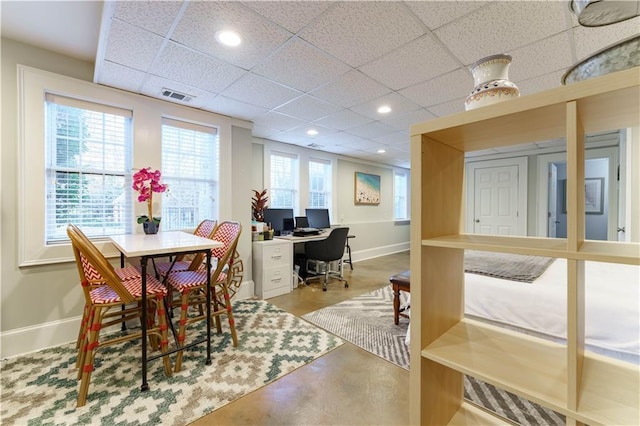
(407, 175)
(32, 86)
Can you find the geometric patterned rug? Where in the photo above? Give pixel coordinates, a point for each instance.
(367, 322)
(41, 387)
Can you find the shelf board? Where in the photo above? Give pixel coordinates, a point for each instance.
(532, 368)
(471, 414)
(610, 251)
(610, 390)
(534, 246)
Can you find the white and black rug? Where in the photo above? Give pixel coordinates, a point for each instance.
(41, 388)
(367, 321)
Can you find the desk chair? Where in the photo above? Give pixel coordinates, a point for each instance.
(330, 249)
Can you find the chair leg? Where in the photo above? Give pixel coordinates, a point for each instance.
(164, 335)
(89, 355)
(228, 310)
(184, 307)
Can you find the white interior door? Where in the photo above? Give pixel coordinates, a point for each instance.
(553, 200)
(496, 200)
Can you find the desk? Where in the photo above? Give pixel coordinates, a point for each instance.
(163, 244)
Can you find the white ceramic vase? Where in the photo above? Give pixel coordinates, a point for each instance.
(491, 79)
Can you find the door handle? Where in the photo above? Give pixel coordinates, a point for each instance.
(621, 229)
(477, 221)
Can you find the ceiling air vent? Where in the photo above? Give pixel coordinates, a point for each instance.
(314, 145)
(167, 93)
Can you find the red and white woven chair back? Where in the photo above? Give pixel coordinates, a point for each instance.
(206, 228)
(227, 233)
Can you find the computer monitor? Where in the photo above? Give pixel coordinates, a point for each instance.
(276, 217)
(302, 222)
(318, 218)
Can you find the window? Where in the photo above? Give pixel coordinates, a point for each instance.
(401, 194)
(190, 168)
(283, 180)
(319, 183)
(88, 159)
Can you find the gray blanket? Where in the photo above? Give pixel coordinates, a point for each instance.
(515, 267)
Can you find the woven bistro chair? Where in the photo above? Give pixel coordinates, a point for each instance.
(105, 293)
(191, 286)
(126, 273)
(182, 263)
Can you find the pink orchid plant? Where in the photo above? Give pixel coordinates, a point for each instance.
(146, 182)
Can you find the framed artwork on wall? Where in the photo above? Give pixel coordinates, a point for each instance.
(593, 195)
(367, 189)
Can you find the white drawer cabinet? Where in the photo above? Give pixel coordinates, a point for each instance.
(272, 267)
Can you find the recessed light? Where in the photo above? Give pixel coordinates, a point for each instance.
(228, 37)
(384, 109)
(312, 132)
(381, 151)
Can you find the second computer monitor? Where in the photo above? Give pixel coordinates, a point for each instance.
(318, 218)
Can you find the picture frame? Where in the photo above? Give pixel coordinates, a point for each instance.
(367, 189)
(594, 196)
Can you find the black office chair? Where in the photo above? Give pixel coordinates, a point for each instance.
(323, 252)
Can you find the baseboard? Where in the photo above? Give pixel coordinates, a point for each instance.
(24, 340)
(357, 256)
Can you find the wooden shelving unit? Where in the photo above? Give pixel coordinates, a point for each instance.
(586, 388)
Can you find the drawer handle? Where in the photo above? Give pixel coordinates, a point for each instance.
(276, 257)
(275, 280)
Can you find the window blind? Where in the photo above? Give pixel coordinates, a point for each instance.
(400, 195)
(88, 156)
(319, 183)
(283, 182)
(190, 168)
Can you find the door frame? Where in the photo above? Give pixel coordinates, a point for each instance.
(522, 164)
(611, 153)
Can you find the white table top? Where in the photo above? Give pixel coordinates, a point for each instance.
(134, 245)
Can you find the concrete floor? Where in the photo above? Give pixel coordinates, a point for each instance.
(347, 386)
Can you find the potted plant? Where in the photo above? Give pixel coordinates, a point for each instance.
(146, 182)
(258, 204)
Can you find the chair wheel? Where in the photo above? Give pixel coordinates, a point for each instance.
(324, 289)
(346, 284)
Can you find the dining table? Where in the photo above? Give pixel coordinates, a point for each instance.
(165, 244)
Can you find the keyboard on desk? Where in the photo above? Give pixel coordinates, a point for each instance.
(303, 232)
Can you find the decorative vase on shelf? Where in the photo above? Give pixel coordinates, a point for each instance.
(151, 227)
(491, 79)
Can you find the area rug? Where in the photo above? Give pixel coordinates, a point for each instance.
(41, 388)
(367, 321)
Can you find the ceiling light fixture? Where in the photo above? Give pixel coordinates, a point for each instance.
(381, 151)
(228, 38)
(312, 132)
(384, 109)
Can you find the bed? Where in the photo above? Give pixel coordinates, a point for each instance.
(539, 307)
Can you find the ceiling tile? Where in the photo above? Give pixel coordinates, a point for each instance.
(441, 89)
(358, 32)
(308, 108)
(278, 121)
(234, 108)
(397, 139)
(299, 135)
(540, 83)
(117, 75)
(417, 61)
(340, 138)
(550, 54)
(196, 69)
(447, 108)
(498, 28)
(154, 16)
(138, 55)
(271, 94)
(371, 130)
(301, 66)
(201, 20)
(405, 121)
(344, 119)
(438, 13)
(293, 16)
(350, 89)
(264, 132)
(398, 104)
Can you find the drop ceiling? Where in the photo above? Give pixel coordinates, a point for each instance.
(319, 65)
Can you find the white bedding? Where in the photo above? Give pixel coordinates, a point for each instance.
(612, 305)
